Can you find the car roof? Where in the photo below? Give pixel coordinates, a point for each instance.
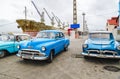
(100, 32)
(50, 31)
(16, 34)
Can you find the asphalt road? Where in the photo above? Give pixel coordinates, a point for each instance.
(67, 65)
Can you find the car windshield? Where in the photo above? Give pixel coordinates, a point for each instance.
(23, 37)
(100, 36)
(50, 35)
(6, 38)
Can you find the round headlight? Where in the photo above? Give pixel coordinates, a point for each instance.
(118, 47)
(18, 46)
(43, 48)
(85, 46)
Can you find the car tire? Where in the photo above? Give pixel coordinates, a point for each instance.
(66, 48)
(86, 57)
(25, 59)
(2, 53)
(50, 59)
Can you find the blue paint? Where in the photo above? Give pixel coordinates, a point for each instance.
(75, 26)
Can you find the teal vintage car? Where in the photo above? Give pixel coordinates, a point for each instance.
(45, 46)
(9, 43)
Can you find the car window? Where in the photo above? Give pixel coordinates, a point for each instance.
(50, 35)
(57, 35)
(61, 35)
(24, 37)
(11, 38)
(6, 38)
(99, 35)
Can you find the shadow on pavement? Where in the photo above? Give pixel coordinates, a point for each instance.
(102, 60)
(33, 62)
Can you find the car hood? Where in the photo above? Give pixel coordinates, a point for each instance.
(38, 41)
(100, 41)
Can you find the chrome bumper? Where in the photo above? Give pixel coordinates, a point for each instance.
(32, 56)
(100, 55)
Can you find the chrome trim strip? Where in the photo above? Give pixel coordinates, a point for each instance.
(33, 57)
(100, 55)
(31, 54)
(102, 51)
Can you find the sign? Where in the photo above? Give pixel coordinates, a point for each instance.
(75, 26)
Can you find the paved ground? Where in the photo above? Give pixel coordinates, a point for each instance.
(64, 66)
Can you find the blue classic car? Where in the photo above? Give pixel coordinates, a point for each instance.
(101, 44)
(9, 43)
(45, 46)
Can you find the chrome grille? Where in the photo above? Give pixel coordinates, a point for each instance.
(31, 52)
(103, 52)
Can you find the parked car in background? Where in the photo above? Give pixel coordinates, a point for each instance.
(9, 43)
(45, 46)
(101, 44)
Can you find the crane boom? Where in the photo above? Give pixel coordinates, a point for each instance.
(51, 18)
(58, 20)
(41, 15)
(36, 8)
(55, 17)
(47, 14)
(62, 23)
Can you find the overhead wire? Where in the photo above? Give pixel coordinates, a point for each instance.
(7, 24)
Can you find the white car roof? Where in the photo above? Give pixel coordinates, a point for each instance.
(20, 34)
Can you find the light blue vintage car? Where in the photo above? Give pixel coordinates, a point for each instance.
(101, 44)
(45, 46)
(9, 43)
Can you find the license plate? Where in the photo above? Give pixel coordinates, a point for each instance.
(27, 56)
(100, 55)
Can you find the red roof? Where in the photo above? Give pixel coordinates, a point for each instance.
(112, 21)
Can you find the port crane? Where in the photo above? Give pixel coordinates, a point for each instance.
(57, 20)
(51, 18)
(62, 23)
(40, 14)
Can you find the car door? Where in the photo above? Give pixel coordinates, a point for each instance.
(10, 46)
(62, 41)
(15, 43)
(59, 42)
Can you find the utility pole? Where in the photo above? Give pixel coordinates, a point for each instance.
(119, 13)
(25, 13)
(83, 22)
(74, 12)
(25, 25)
(75, 17)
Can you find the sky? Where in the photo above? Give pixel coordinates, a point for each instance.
(97, 12)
